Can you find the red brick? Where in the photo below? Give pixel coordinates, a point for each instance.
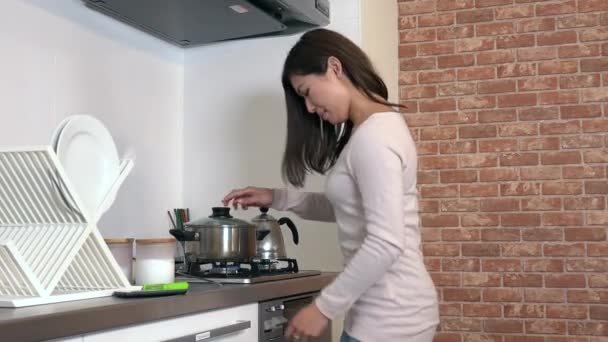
(562, 188)
(542, 83)
(539, 114)
(537, 144)
(479, 160)
(536, 53)
(520, 220)
(522, 280)
(432, 265)
(453, 61)
(443, 162)
(585, 203)
(588, 328)
(437, 105)
(479, 73)
(569, 249)
(494, 29)
(514, 12)
(596, 312)
(564, 127)
(476, 249)
(496, 57)
(519, 189)
(418, 92)
(595, 126)
(598, 280)
(516, 70)
(518, 129)
(439, 191)
(585, 234)
(474, 16)
(476, 102)
(439, 220)
(460, 265)
(592, 5)
(575, 51)
(577, 20)
(497, 145)
(413, 36)
(455, 89)
(586, 171)
(450, 309)
(437, 76)
(459, 205)
(558, 97)
(438, 133)
(567, 311)
(565, 280)
(501, 234)
(557, 67)
(540, 203)
(587, 296)
(587, 265)
(540, 173)
(474, 44)
(479, 220)
(556, 8)
(496, 175)
(544, 295)
(579, 81)
(441, 19)
(407, 51)
(482, 310)
(597, 156)
(503, 326)
(414, 64)
(581, 111)
(416, 7)
(560, 158)
(438, 48)
(502, 295)
(480, 131)
(408, 78)
(491, 3)
(524, 310)
(500, 204)
(415, 120)
(458, 176)
(594, 65)
(455, 32)
(457, 118)
(518, 159)
(522, 249)
(556, 38)
(446, 337)
(535, 25)
(562, 219)
(591, 35)
(546, 327)
(479, 190)
(460, 234)
(449, 5)
(458, 147)
(446, 279)
(517, 100)
(430, 207)
(407, 22)
(515, 41)
(547, 265)
(481, 279)
(428, 177)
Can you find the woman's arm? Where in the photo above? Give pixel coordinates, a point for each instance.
(307, 205)
(378, 171)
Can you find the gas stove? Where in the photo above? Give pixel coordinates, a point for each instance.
(243, 272)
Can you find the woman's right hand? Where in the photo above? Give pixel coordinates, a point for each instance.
(249, 197)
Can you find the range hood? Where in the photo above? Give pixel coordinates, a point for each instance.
(188, 23)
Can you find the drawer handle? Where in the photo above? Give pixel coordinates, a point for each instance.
(213, 333)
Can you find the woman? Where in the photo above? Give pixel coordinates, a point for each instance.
(340, 123)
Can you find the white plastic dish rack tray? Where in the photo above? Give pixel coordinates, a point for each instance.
(50, 251)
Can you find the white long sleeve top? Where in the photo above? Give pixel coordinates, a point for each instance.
(371, 194)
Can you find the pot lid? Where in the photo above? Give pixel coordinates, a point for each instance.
(220, 217)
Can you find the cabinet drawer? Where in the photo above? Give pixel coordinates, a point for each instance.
(237, 324)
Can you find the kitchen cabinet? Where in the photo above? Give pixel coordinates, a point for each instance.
(69, 339)
(236, 324)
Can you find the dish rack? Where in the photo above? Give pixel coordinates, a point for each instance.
(50, 248)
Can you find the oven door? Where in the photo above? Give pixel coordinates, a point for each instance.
(276, 314)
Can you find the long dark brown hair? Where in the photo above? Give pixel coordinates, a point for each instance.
(311, 147)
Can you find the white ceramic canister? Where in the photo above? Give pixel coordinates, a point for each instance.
(122, 249)
(154, 261)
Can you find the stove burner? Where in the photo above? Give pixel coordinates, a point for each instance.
(241, 269)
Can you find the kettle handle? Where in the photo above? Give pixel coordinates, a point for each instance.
(183, 235)
(292, 227)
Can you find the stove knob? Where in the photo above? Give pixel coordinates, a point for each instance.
(281, 307)
(272, 309)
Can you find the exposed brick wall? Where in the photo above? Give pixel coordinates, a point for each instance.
(508, 101)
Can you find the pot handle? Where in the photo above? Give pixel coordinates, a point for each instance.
(183, 235)
(292, 227)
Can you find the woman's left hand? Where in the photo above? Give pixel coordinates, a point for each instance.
(308, 322)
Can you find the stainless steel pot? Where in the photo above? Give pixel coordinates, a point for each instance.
(218, 237)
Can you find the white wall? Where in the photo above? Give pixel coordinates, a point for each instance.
(60, 58)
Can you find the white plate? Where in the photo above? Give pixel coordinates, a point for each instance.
(89, 157)
(57, 132)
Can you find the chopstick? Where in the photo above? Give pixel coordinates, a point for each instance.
(171, 218)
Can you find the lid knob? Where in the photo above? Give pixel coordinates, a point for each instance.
(220, 212)
(264, 210)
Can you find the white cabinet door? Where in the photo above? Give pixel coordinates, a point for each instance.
(237, 324)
